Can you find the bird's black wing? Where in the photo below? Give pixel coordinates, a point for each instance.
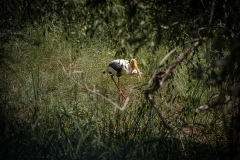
(116, 66)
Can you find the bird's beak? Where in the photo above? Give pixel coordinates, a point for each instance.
(138, 71)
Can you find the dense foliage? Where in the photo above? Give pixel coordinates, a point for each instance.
(188, 51)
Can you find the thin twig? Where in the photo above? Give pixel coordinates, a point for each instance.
(94, 91)
(167, 27)
(215, 100)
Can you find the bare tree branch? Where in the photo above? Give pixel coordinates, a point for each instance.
(215, 100)
(167, 27)
(159, 112)
(178, 60)
(171, 67)
(212, 12)
(160, 64)
(160, 78)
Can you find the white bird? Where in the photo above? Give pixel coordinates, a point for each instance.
(122, 67)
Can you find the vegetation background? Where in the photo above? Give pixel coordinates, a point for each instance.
(55, 103)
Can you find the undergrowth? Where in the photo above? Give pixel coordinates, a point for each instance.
(46, 114)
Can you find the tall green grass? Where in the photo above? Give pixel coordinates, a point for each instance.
(48, 113)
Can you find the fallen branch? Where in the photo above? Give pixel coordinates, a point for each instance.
(107, 99)
(94, 91)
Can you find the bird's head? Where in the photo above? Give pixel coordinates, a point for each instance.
(133, 63)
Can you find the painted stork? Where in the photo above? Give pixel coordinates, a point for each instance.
(122, 67)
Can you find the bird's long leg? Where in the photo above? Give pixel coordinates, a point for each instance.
(120, 91)
(114, 81)
(117, 85)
